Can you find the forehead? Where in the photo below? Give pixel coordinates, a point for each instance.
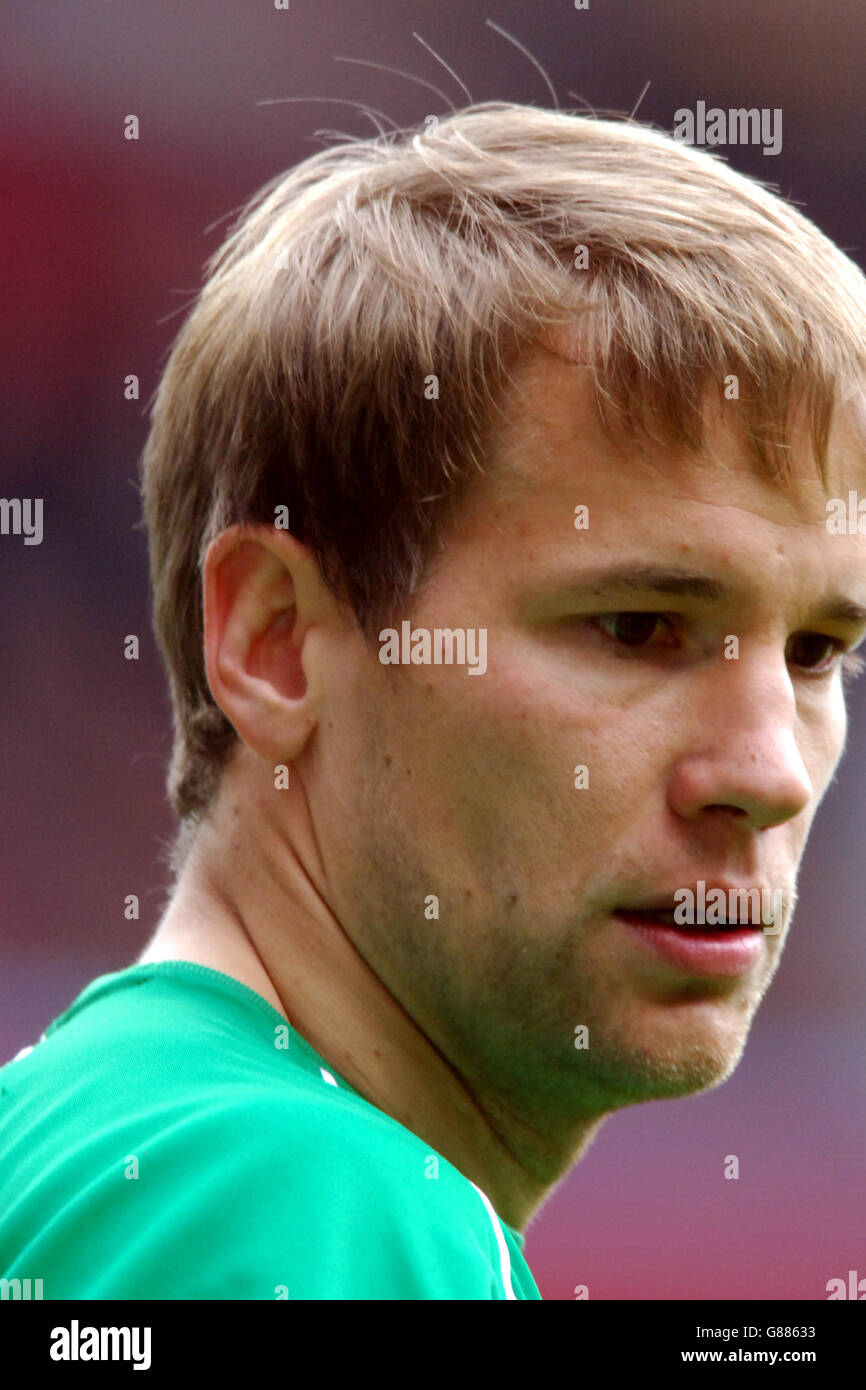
(549, 441)
(515, 536)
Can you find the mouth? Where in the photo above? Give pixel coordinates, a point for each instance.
(724, 951)
(667, 917)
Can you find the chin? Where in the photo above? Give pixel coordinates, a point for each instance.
(642, 1069)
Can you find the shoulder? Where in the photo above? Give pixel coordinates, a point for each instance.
(304, 1195)
(195, 1164)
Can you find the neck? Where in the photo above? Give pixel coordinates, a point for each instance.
(257, 910)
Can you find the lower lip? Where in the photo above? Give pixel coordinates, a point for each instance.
(724, 954)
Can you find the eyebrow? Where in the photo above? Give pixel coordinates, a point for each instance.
(643, 579)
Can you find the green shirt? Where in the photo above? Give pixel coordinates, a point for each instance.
(171, 1136)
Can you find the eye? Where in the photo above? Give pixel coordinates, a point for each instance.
(815, 652)
(631, 629)
(820, 655)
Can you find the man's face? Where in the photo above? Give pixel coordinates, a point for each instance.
(700, 766)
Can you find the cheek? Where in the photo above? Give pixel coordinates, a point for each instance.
(497, 765)
(821, 742)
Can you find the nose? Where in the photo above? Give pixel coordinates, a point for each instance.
(743, 754)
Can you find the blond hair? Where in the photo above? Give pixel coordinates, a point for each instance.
(298, 379)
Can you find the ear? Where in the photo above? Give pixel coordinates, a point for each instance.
(266, 616)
